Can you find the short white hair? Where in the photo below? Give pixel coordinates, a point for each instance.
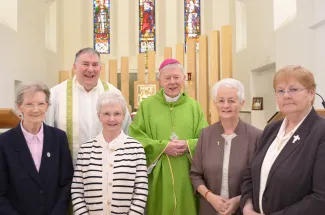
(229, 83)
(111, 97)
(172, 66)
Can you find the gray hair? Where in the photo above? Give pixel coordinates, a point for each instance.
(86, 50)
(32, 89)
(229, 83)
(111, 97)
(172, 66)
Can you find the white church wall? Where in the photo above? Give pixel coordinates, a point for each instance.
(25, 57)
(302, 42)
(260, 44)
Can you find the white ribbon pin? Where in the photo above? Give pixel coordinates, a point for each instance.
(48, 154)
(295, 138)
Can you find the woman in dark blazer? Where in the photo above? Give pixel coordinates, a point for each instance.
(223, 152)
(287, 174)
(35, 163)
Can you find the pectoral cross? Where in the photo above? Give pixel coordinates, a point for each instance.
(174, 136)
(295, 138)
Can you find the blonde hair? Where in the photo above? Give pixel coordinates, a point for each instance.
(301, 74)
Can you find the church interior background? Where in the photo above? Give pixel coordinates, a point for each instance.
(40, 38)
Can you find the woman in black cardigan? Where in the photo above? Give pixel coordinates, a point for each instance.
(287, 174)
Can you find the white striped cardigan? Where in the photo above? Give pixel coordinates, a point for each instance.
(126, 181)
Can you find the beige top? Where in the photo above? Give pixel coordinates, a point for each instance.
(225, 166)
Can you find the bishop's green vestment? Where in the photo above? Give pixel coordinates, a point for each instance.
(170, 188)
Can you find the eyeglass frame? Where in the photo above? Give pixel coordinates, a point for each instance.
(290, 91)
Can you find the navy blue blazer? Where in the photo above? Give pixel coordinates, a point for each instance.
(296, 182)
(24, 190)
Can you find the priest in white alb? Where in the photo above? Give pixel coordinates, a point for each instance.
(73, 102)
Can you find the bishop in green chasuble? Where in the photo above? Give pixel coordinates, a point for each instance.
(161, 119)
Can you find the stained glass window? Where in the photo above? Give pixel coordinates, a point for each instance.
(102, 26)
(192, 20)
(147, 27)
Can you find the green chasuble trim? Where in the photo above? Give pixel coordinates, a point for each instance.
(170, 187)
(70, 108)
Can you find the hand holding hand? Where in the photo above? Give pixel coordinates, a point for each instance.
(233, 205)
(218, 203)
(176, 147)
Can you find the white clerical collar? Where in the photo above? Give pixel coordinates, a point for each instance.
(170, 99)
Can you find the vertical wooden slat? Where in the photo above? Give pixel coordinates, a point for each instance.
(141, 67)
(168, 52)
(214, 72)
(180, 53)
(125, 78)
(203, 71)
(102, 75)
(112, 72)
(64, 75)
(151, 66)
(191, 67)
(226, 51)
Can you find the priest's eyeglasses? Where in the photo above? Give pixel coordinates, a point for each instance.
(290, 91)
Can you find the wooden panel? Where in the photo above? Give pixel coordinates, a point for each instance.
(168, 52)
(64, 75)
(151, 66)
(103, 72)
(112, 72)
(203, 72)
(180, 53)
(214, 75)
(141, 67)
(125, 78)
(8, 118)
(191, 67)
(226, 51)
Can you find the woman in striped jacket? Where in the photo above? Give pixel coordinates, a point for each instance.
(111, 173)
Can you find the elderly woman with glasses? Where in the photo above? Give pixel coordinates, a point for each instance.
(223, 152)
(287, 173)
(35, 163)
(111, 171)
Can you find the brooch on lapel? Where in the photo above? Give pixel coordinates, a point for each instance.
(48, 154)
(218, 143)
(295, 138)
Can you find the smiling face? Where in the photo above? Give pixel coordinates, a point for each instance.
(111, 116)
(33, 108)
(172, 80)
(87, 70)
(227, 103)
(292, 97)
